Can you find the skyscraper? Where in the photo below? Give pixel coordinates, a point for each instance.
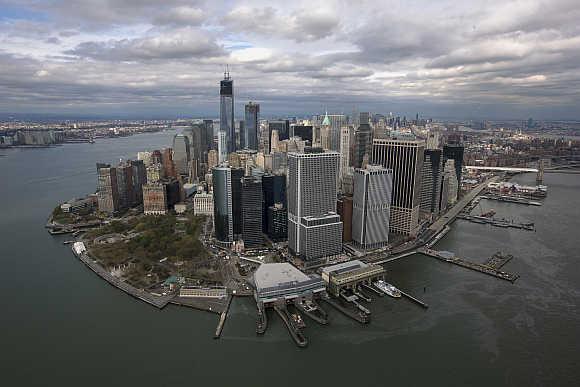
(252, 208)
(107, 192)
(314, 227)
(405, 158)
(249, 137)
(201, 140)
(345, 133)
(227, 111)
(223, 206)
(371, 206)
(302, 131)
(431, 181)
(139, 180)
(274, 190)
(363, 139)
(222, 146)
(181, 154)
(454, 152)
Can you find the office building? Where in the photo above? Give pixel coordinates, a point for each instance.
(431, 181)
(363, 140)
(274, 192)
(154, 199)
(277, 222)
(405, 157)
(201, 141)
(252, 208)
(344, 209)
(345, 134)
(139, 179)
(371, 206)
(454, 152)
(450, 169)
(282, 127)
(168, 164)
(227, 125)
(125, 185)
(222, 147)
(227, 197)
(302, 131)
(249, 136)
(314, 227)
(107, 191)
(203, 204)
(181, 154)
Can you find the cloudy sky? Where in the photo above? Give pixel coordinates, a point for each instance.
(478, 59)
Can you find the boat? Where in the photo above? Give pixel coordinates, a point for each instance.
(388, 289)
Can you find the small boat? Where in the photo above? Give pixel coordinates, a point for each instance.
(388, 289)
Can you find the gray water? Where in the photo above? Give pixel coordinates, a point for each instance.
(62, 325)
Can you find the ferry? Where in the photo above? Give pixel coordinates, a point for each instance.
(388, 288)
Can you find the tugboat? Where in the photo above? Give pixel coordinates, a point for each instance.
(388, 288)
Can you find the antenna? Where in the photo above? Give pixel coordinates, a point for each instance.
(227, 72)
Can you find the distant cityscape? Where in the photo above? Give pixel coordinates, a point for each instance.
(295, 212)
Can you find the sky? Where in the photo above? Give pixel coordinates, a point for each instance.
(487, 59)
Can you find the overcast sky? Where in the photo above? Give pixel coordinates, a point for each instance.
(494, 59)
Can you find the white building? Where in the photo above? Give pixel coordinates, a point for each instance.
(203, 204)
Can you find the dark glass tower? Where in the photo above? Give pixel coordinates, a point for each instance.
(227, 111)
(249, 135)
(274, 187)
(252, 211)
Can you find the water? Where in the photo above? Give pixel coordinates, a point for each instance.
(62, 324)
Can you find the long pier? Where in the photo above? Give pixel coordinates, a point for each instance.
(497, 223)
(157, 301)
(223, 316)
(510, 199)
(416, 300)
(470, 265)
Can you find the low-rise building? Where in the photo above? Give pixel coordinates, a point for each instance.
(282, 282)
(348, 275)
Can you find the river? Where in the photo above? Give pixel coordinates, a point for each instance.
(62, 325)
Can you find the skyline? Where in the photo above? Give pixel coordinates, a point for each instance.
(496, 60)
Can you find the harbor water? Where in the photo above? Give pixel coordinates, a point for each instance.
(62, 325)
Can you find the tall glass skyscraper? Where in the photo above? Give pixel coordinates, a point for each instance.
(249, 136)
(227, 111)
(181, 154)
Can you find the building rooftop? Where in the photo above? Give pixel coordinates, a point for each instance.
(344, 266)
(270, 275)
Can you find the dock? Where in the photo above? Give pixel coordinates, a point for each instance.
(262, 321)
(497, 222)
(318, 314)
(223, 316)
(469, 265)
(355, 315)
(498, 260)
(415, 300)
(511, 199)
(295, 331)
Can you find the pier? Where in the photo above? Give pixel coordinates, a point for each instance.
(355, 315)
(415, 300)
(511, 199)
(497, 222)
(223, 316)
(450, 258)
(293, 329)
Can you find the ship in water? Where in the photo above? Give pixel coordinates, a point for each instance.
(387, 288)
